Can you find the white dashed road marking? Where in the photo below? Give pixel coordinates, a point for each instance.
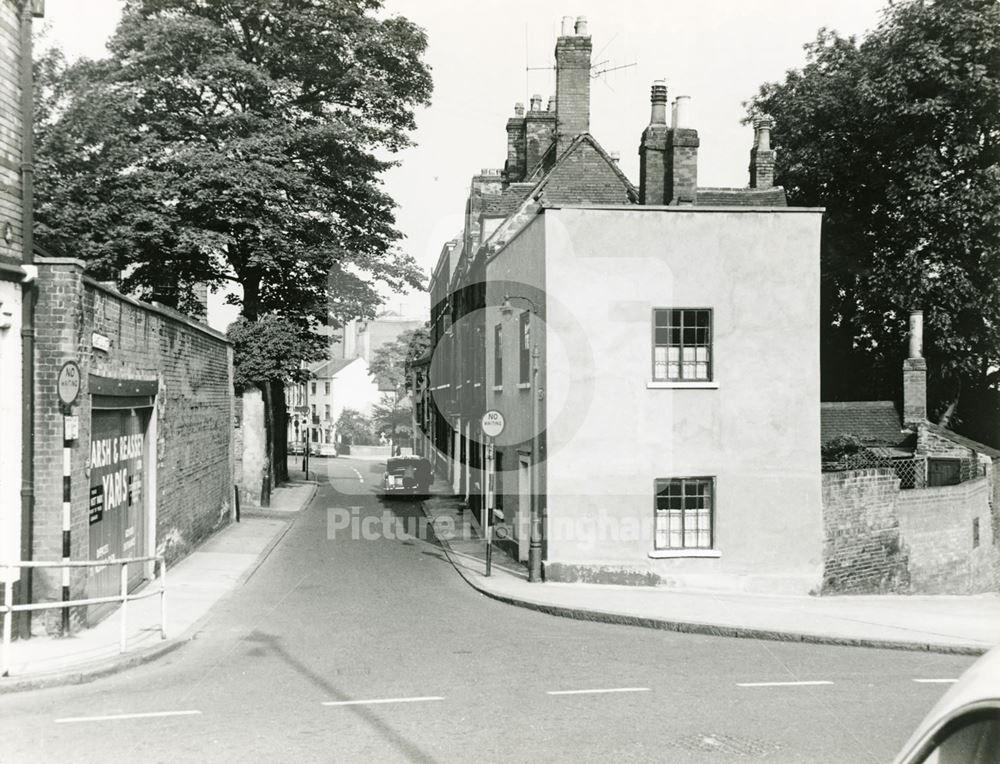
(379, 701)
(935, 681)
(116, 717)
(784, 684)
(588, 692)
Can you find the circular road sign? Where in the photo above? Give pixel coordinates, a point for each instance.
(69, 383)
(492, 423)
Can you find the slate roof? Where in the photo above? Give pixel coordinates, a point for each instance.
(875, 422)
(961, 440)
(506, 203)
(741, 197)
(330, 368)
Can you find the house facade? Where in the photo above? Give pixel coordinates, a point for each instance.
(653, 349)
(316, 405)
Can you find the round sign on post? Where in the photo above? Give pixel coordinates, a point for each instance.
(69, 383)
(492, 423)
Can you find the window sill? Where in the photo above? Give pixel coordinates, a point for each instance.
(659, 554)
(523, 385)
(682, 385)
(498, 388)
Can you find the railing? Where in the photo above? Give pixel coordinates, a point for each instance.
(8, 608)
(912, 472)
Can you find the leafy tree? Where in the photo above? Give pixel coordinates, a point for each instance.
(898, 136)
(235, 143)
(390, 360)
(393, 416)
(238, 144)
(354, 427)
(389, 367)
(267, 353)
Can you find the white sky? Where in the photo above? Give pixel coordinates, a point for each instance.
(716, 51)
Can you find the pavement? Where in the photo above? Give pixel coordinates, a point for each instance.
(194, 585)
(968, 625)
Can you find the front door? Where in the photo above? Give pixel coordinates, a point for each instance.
(117, 500)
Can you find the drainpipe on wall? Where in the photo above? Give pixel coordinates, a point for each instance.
(29, 9)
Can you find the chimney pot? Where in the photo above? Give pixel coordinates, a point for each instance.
(762, 126)
(658, 99)
(536, 102)
(567, 26)
(581, 26)
(615, 156)
(915, 374)
(552, 103)
(916, 334)
(682, 107)
(673, 114)
(519, 109)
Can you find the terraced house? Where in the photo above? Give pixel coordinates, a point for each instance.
(653, 348)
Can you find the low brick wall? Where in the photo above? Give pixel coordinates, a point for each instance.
(880, 539)
(937, 526)
(862, 550)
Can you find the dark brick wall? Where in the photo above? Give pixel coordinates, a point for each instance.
(653, 165)
(862, 550)
(194, 451)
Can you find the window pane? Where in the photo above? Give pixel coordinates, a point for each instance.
(689, 335)
(662, 317)
(701, 371)
(661, 336)
(676, 317)
(673, 371)
(701, 354)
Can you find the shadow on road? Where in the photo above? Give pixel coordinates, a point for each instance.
(272, 645)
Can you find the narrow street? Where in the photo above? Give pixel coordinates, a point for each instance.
(277, 673)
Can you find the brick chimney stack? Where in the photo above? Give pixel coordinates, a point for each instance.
(653, 148)
(515, 169)
(540, 131)
(761, 155)
(682, 156)
(573, 49)
(915, 373)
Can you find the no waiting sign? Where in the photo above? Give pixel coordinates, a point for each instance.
(492, 423)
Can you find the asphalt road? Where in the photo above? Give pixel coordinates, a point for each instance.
(278, 672)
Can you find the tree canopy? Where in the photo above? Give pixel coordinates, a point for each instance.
(236, 143)
(898, 137)
(389, 361)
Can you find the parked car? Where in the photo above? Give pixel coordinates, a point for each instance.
(407, 475)
(964, 726)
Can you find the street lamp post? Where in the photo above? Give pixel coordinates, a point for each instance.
(535, 537)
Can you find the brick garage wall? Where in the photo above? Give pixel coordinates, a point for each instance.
(192, 365)
(936, 528)
(862, 551)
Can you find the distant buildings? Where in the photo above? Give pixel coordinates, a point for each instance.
(342, 381)
(652, 347)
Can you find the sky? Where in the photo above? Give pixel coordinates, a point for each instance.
(718, 52)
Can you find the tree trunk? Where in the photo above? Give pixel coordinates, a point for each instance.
(280, 418)
(268, 477)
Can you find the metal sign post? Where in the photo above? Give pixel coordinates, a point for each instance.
(488, 520)
(492, 425)
(68, 385)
